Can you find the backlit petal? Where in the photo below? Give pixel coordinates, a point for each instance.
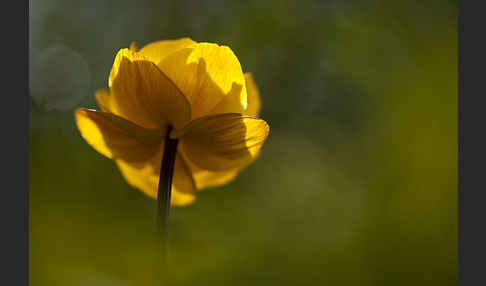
(133, 47)
(253, 108)
(143, 94)
(104, 100)
(207, 74)
(204, 178)
(156, 51)
(117, 138)
(143, 178)
(222, 142)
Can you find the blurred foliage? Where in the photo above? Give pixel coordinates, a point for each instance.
(357, 183)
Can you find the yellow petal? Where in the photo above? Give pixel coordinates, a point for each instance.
(204, 178)
(182, 179)
(133, 47)
(156, 51)
(207, 74)
(143, 94)
(142, 177)
(222, 142)
(104, 100)
(115, 137)
(254, 103)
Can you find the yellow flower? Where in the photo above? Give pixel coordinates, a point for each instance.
(197, 92)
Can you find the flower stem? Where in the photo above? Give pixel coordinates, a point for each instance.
(165, 186)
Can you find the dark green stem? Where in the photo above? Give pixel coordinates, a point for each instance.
(165, 186)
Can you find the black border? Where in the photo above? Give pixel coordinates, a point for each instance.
(15, 143)
(471, 119)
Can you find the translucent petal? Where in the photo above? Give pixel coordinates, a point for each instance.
(156, 51)
(117, 138)
(104, 100)
(207, 74)
(254, 103)
(143, 94)
(204, 178)
(222, 142)
(143, 177)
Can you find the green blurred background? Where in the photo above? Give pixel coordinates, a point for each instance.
(356, 185)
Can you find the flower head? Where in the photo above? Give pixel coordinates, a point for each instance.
(199, 91)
